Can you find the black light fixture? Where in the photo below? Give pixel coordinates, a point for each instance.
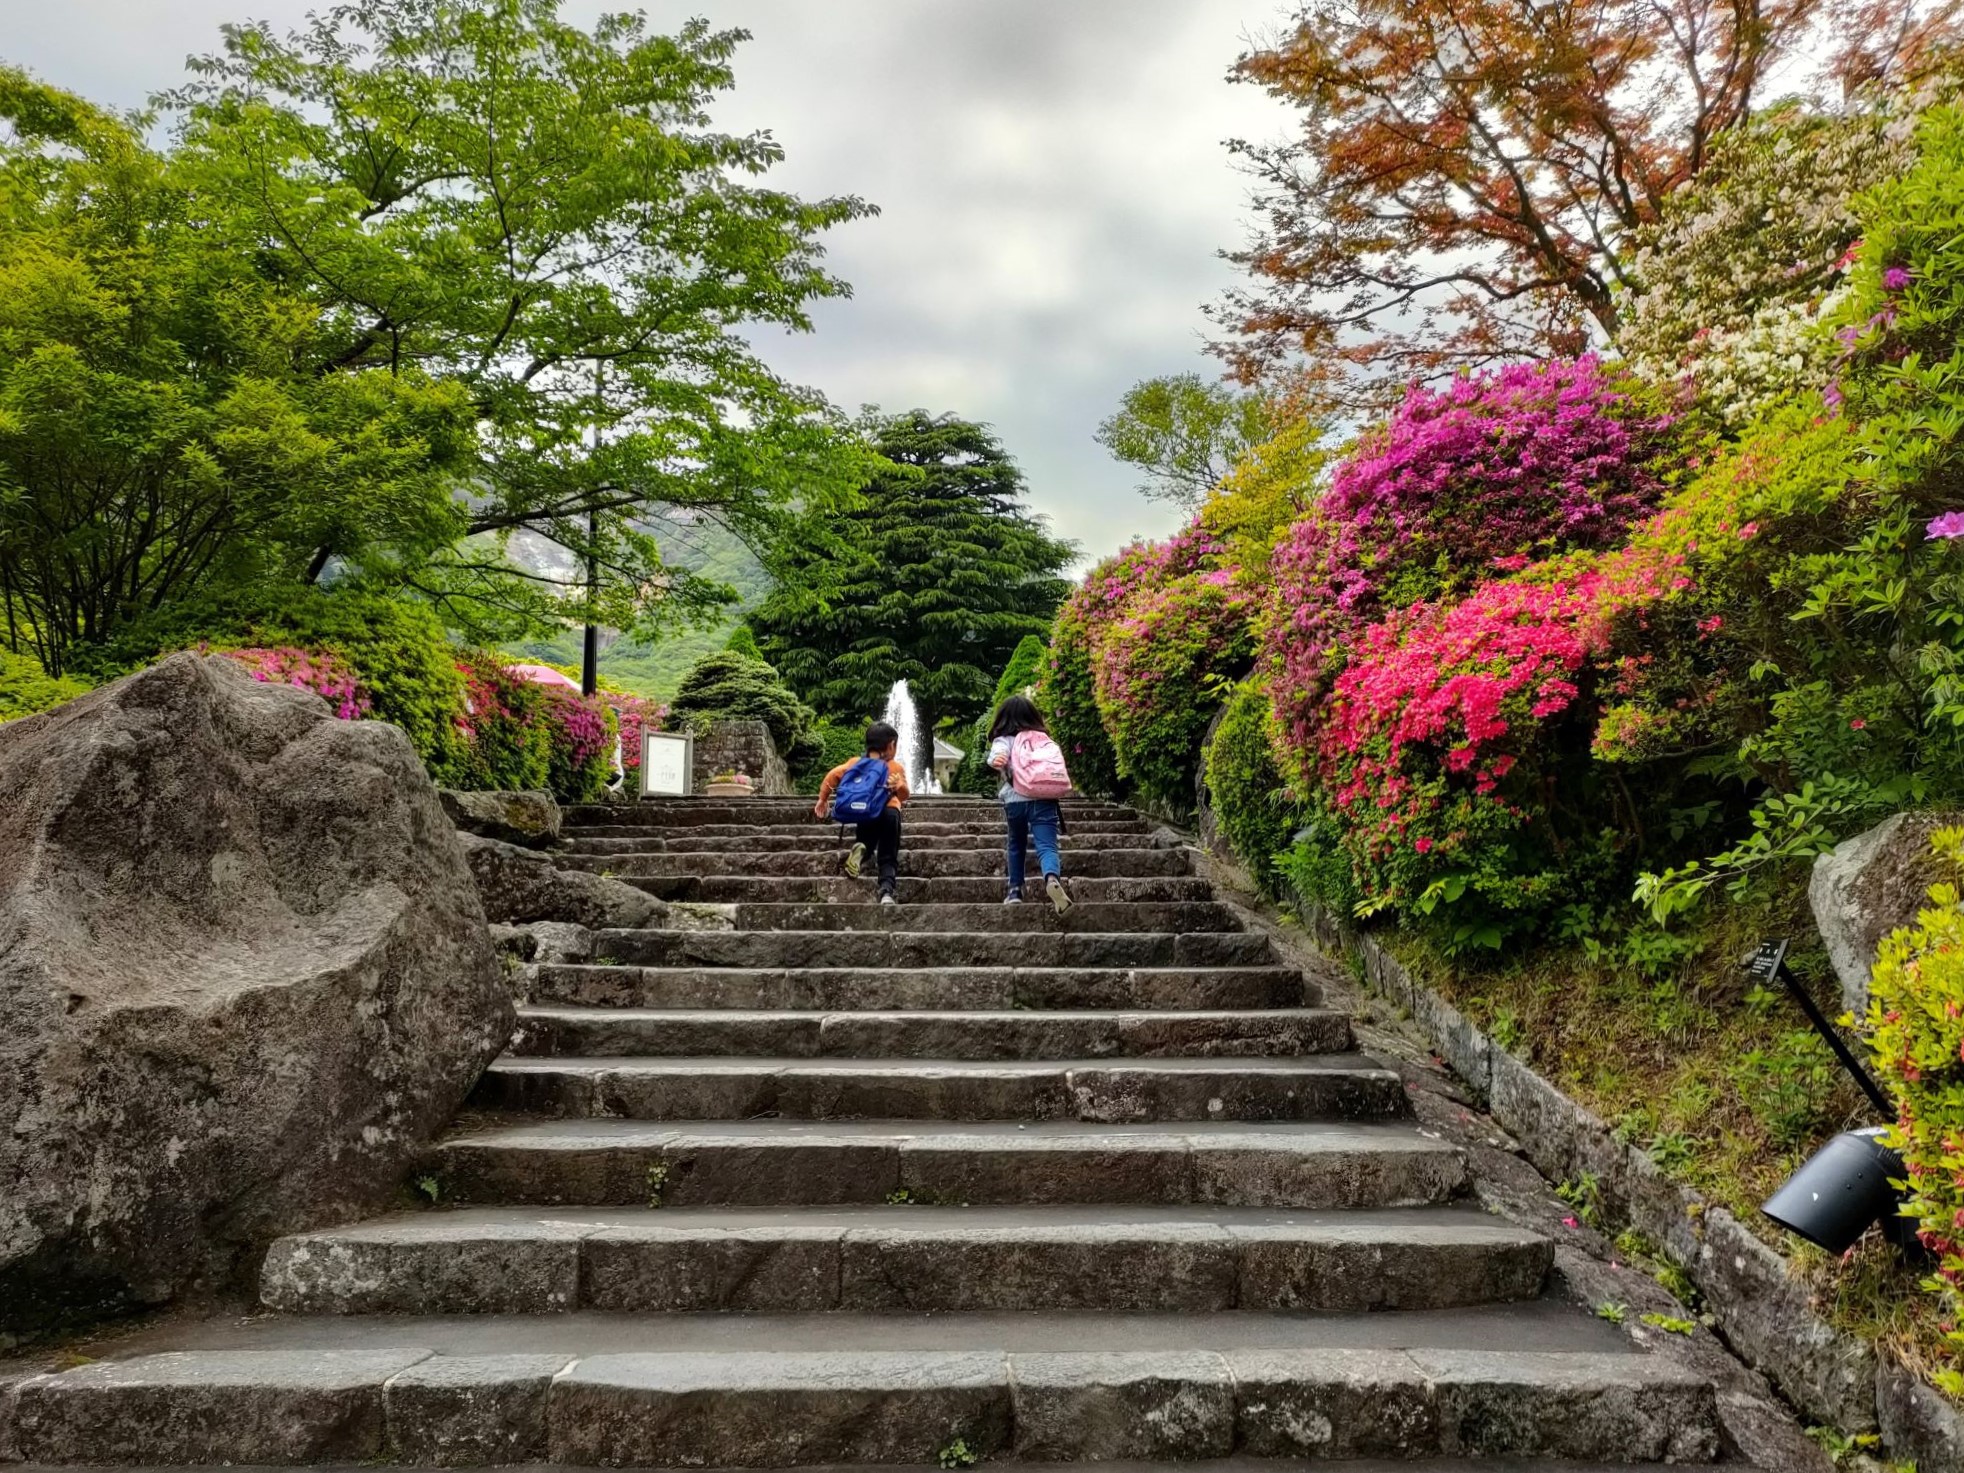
(1844, 1188)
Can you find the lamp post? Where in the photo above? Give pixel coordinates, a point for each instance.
(590, 653)
(1850, 1183)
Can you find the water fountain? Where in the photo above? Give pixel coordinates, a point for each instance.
(916, 746)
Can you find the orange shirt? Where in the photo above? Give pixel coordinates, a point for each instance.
(896, 783)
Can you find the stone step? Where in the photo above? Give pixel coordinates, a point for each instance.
(894, 1257)
(614, 1163)
(691, 812)
(816, 839)
(689, 1406)
(1171, 917)
(935, 949)
(923, 863)
(913, 891)
(992, 989)
(1103, 1091)
(577, 1032)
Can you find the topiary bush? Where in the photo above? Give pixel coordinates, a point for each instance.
(580, 735)
(324, 673)
(26, 688)
(730, 686)
(1916, 1034)
(1257, 814)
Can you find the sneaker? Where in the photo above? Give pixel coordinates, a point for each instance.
(1059, 896)
(855, 860)
(1014, 897)
(887, 897)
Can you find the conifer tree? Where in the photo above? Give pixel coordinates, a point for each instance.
(935, 579)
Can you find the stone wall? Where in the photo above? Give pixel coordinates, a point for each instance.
(745, 747)
(1763, 1312)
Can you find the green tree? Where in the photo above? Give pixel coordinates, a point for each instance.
(935, 580)
(1020, 675)
(164, 425)
(1184, 433)
(543, 215)
(728, 686)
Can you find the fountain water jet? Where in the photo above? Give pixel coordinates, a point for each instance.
(916, 753)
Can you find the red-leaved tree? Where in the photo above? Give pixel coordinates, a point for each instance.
(1466, 169)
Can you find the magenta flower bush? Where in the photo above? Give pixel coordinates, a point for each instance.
(581, 731)
(633, 716)
(1461, 485)
(323, 672)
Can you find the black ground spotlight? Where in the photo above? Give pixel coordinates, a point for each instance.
(1845, 1187)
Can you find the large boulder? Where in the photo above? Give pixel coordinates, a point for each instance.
(528, 819)
(1869, 886)
(518, 886)
(244, 979)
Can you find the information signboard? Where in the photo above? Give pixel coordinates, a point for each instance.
(668, 760)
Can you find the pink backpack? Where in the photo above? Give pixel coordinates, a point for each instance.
(1036, 766)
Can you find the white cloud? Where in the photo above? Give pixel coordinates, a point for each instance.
(1051, 177)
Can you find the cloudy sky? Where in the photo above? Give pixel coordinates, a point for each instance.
(1051, 176)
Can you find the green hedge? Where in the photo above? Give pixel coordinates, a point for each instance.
(1257, 814)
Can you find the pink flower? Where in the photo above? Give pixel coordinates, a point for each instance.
(1947, 526)
(1857, 724)
(1895, 278)
(1749, 531)
(1422, 845)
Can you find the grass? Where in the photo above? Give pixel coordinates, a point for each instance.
(1722, 1084)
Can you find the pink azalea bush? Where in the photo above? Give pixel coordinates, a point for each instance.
(323, 672)
(1154, 685)
(1067, 688)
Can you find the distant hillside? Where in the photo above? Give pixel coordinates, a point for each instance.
(653, 668)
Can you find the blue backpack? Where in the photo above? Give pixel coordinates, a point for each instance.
(861, 795)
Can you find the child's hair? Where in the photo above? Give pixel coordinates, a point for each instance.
(880, 736)
(1014, 716)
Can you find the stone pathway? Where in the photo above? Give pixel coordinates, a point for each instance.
(927, 1184)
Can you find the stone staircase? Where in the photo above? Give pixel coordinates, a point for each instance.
(934, 1183)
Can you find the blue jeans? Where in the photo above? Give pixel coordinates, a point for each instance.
(1032, 821)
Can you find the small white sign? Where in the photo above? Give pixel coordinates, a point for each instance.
(668, 759)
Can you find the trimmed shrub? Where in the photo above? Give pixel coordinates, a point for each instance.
(1461, 485)
(26, 688)
(1257, 813)
(580, 734)
(504, 738)
(728, 686)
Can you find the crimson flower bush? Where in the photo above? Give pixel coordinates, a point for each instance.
(632, 716)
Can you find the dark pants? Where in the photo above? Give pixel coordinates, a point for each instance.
(882, 836)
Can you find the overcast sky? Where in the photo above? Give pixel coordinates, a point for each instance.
(1051, 176)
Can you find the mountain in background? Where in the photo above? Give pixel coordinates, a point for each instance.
(654, 667)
